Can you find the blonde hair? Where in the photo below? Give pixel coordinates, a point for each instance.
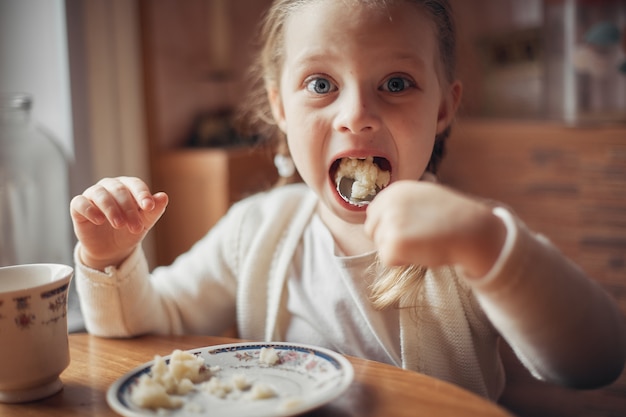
(395, 285)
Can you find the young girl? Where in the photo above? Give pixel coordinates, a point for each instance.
(369, 256)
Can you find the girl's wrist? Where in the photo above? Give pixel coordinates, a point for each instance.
(98, 264)
(495, 246)
(487, 248)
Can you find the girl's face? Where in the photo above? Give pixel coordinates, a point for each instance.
(357, 82)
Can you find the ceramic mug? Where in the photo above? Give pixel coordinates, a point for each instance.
(34, 347)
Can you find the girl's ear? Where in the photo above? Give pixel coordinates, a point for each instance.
(278, 110)
(449, 106)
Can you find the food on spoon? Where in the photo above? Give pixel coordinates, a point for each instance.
(358, 180)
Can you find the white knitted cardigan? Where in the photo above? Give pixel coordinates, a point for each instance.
(251, 249)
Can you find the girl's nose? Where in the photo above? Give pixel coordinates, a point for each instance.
(357, 112)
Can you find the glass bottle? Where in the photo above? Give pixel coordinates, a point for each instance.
(34, 189)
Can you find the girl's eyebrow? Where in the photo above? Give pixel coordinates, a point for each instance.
(409, 59)
(306, 62)
(318, 59)
(314, 57)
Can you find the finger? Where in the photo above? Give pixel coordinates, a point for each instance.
(117, 203)
(140, 192)
(81, 210)
(161, 200)
(152, 216)
(372, 220)
(369, 227)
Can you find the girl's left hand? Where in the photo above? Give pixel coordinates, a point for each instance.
(422, 223)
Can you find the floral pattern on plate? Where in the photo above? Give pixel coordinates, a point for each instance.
(304, 377)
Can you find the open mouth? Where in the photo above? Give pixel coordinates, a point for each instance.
(359, 180)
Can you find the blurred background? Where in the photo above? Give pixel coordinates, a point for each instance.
(148, 88)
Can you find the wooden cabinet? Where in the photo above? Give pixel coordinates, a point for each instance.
(195, 57)
(202, 184)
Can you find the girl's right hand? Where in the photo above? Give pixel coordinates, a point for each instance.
(112, 217)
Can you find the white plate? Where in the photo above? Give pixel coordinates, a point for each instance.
(305, 378)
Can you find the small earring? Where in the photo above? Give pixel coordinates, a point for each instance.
(284, 165)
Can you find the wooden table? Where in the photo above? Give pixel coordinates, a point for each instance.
(377, 389)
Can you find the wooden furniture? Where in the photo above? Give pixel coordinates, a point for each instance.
(202, 184)
(377, 389)
(195, 55)
(568, 183)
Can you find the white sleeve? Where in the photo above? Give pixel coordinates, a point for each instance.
(548, 310)
(196, 294)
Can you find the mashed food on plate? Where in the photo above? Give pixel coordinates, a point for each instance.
(268, 356)
(165, 385)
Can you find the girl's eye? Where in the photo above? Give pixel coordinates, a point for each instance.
(397, 84)
(320, 86)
